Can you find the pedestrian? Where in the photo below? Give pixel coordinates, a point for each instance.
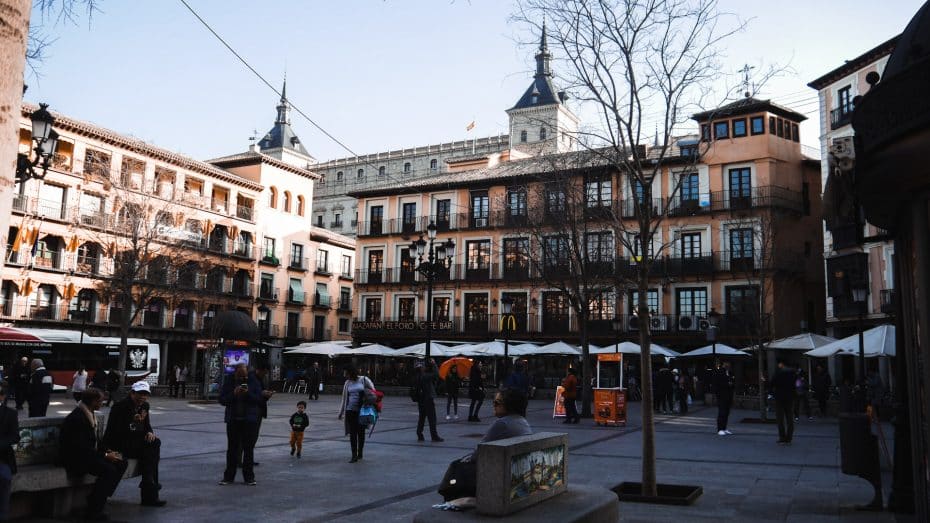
(182, 380)
(475, 391)
(518, 380)
(114, 380)
(569, 395)
(20, 380)
(241, 395)
(683, 386)
(99, 380)
(82, 453)
(425, 392)
(261, 375)
(723, 383)
(298, 422)
(783, 387)
(129, 431)
(40, 389)
(9, 436)
(453, 382)
(800, 396)
(79, 383)
(353, 393)
(821, 384)
(666, 385)
(315, 379)
(173, 380)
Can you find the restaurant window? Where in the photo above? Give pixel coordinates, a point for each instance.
(691, 301)
(652, 301)
(441, 308)
(406, 309)
(372, 309)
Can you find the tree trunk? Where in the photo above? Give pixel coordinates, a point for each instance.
(645, 375)
(762, 413)
(14, 31)
(586, 371)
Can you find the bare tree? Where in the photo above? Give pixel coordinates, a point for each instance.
(644, 66)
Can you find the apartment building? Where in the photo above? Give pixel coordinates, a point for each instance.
(851, 245)
(751, 184)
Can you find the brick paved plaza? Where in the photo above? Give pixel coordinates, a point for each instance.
(746, 476)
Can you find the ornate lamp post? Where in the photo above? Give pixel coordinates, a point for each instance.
(46, 140)
(263, 312)
(438, 259)
(713, 321)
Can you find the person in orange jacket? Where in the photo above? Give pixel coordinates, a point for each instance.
(569, 394)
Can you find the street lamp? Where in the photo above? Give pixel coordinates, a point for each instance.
(508, 323)
(617, 324)
(859, 295)
(438, 260)
(713, 321)
(263, 312)
(46, 140)
(83, 304)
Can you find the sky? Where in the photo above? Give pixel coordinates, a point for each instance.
(376, 75)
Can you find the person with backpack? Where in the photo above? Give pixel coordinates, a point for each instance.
(353, 396)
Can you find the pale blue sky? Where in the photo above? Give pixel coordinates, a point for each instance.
(376, 74)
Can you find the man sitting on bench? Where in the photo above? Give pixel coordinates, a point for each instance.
(82, 453)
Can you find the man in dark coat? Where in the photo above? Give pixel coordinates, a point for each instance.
(426, 391)
(82, 453)
(114, 380)
(129, 431)
(783, 388)
(475, 391)
(40, 389)
(20, 380)
(723, 383)
(9, 436)
(241, 395)
(314, 377)
(821, 383)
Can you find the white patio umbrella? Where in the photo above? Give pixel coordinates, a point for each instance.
(721, 350)
(375, 349)
(319, 349)
(877, 341)
(628, 347)
(419, 350)
(803, 341)
(555, 348)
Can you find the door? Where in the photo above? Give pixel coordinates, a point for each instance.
(319, 328)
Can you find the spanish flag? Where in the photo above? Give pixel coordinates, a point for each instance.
(470, 126)
(69, 293)
(73, 244)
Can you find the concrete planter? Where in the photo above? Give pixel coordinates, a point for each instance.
(666, 494)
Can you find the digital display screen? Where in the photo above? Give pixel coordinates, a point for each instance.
(233, 357)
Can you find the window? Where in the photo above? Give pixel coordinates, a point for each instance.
(443, 214)
(322, 261)
(476, 312)
(297, 256)
(293, 325)
(740, 188)
(795, 136)
(636, 187)
(637, 248)
(406, 167)
(523, 136)
(691, 245)
(441, 309)
(97, 163)
(375, 265)
(597, 193)
(345, 298)
(300, 205)
(381, 171)
(266, 287)
(516, 262)
(705, 132)
(771, 125)
(343, 325)
(739, 128)
(844, 99)
(690, 187)
(601, 307)
(757, 125)
(360, 174)
(372, 309)
(269, 249)
(337, 220)
(688, 151)
(542, 133)
(480, 209)
(518, 309)
(295, 291)
(91, 208)
(721, 130)
(555, 201)
(555, 312)
(516, 206)
(434, 164)
(477, 259)
(376, 217)
(322, 295)
(742, 300)
(408, 265)
(691, 301)
(406, 309)
(346, 265)
(409, 217)
(741, 245)
(287, 201)
(780, 128)
(599, 247)
(555, 253)
(652, 301)
(339, 176)
(273, 198)
(319, 220)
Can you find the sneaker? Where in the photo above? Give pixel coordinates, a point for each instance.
(293, 450)
(448, 417)
(721, 433)
(298, 455)
(728, 432)
(251, 483)
(225, 482)
(438, 439)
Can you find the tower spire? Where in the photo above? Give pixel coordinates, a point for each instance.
(543, 56)
(284, 108)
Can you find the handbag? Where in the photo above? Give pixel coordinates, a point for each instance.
(460, 480)
(366, 415)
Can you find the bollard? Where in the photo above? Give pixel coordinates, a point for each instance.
(859, 454)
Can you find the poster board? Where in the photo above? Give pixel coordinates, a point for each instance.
(558, 407)
(610, 406)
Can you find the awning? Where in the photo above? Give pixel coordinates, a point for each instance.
(297, 291)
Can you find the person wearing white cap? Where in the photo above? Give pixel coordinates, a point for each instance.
(129, 430)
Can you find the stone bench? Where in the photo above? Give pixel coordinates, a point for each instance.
(40, 487)
(525, 479)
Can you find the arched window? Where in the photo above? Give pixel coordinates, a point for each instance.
(361, 173)
(300, 205)
(287, 201)
(542, 133)
(381, 171)
(339, 176)
(273, 198)
(433, 164)
(523, 136)
(407, 167)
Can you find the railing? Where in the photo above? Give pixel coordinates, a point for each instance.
(300, 263)
(52, 209)
(322, 268)
(887, 299)
(244, 250)
(47, 260)
(267, 292)
(841, 116)
(322, 300)
(335, 224)
(295, 297)
(87, 265)
(242, 289)
(345, 305)
(295, 332)
(270, 259)
(245, 213)
(20, 203)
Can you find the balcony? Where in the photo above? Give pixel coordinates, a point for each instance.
(336, 224)
(633, 209)
(20, 203)
(295, 297)
(270, 259)
(322, 301)
(51, 209)
(244, 250)
(345, 305)
(700, 265)
(299, 263)
(322, 268)
(841, 115)
(295, 332)
(267, 292)
(245, 213)
(87, 265)
(687, 206)
(242, 289)
(887, 297)
(92, 219)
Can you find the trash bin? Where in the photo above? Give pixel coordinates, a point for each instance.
(859, 454)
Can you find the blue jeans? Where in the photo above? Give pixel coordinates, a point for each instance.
(6, 483)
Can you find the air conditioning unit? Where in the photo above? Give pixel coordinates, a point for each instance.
(658, 323)
(703, 324)
(632, 323)
(688, 323)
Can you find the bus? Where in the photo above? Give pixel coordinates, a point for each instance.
(64, 351)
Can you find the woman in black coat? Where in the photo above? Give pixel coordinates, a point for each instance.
(475, 391)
